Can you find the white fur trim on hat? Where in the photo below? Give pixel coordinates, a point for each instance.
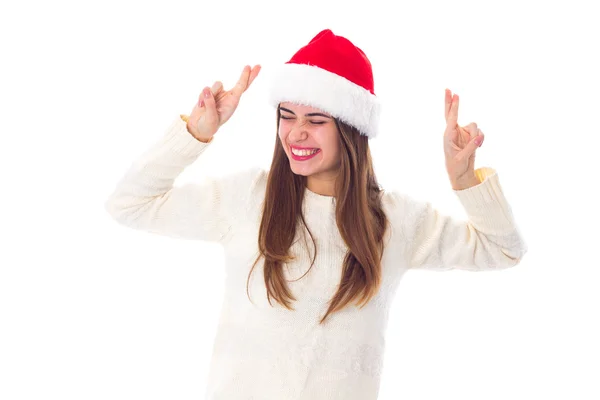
(313, 86)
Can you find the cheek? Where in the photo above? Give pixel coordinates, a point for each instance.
(284, 128)
(332, 145)
(282, 135)
(335, 153)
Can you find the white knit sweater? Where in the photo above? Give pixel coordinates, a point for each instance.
(265, 352)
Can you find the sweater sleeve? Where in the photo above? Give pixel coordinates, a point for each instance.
(145, 198)
(488, 240)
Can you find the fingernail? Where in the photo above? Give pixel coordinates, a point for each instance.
(206, 92)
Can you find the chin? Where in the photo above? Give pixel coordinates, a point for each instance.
(301, 171)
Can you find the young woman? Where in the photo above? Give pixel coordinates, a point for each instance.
(315, 248)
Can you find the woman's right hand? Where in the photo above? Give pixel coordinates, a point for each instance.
(215, 106)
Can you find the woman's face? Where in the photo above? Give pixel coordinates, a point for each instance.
(313, 129)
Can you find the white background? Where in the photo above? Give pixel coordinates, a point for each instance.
(93, 310)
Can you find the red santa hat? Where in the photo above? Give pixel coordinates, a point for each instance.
(332, 74)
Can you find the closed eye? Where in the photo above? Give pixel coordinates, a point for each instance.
(312, 122)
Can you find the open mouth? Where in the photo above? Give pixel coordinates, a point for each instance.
(304, 154)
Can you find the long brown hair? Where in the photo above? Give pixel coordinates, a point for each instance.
(359, 218)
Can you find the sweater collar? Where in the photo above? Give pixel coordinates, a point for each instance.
(318, 200)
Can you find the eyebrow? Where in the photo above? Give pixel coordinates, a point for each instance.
(308, 115)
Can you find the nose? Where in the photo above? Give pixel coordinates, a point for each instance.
(297, 133)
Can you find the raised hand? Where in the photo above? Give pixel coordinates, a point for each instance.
(460, 144)
(215, 105)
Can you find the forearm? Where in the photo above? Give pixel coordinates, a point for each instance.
(138, 195)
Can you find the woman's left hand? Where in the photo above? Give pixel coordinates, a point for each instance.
(460, 144)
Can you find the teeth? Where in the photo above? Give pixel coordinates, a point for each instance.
(304, 152)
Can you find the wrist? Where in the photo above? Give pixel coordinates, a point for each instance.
(186, 118)
(203, 140)
(465, 183)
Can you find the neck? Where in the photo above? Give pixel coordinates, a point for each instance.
(324, 187)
